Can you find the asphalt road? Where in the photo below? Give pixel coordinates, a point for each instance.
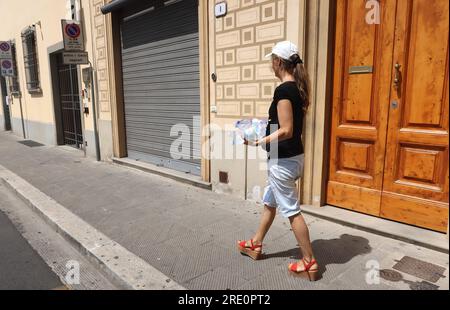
(21, 268)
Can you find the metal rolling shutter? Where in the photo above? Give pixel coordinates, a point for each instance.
(161, 79)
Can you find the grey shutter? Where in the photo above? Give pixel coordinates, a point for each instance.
(161, 79)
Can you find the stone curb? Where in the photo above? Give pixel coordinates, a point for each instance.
(124, 268)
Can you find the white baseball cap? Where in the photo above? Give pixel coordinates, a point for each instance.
(284, 50)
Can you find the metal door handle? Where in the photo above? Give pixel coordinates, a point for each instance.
(398, 76)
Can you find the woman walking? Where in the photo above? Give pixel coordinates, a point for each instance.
(286, 157)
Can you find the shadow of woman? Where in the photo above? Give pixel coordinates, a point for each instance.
(331, 251)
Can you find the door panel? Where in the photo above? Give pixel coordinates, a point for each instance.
(415, 188)
(359, 116)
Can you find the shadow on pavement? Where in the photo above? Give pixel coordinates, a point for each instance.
(331, 251)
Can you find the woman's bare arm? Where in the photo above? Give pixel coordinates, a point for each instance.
(286, 122)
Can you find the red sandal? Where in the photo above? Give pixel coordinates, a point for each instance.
(311, 274)
(250, 251)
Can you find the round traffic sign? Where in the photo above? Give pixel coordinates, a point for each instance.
(6, 64)
(4, 46)
(73, 30)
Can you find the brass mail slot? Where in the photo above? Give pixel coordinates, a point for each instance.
(361, 69)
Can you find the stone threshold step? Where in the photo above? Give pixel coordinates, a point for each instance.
(399, 231)
(165, 172)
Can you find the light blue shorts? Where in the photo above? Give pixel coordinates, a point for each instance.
(281, 191)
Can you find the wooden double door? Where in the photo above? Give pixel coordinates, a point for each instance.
(390, 126)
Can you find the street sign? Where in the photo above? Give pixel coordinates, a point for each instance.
(6, 67)
(5, 50)
(72, 36)
(75, 58)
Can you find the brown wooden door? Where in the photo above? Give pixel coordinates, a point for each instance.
(381, 154)
(359, 115)
(415, 187)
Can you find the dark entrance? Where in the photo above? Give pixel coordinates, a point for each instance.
(5, 105)
(69, 104)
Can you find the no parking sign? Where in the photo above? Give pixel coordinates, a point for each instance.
(5, 50)
(6, 64)
(6, 67)
(73, 36)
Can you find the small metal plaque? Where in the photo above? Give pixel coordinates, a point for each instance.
(361, 69)
(75, 58)
(221, 9)
(420, 269)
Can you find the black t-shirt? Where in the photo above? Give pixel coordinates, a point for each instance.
(294, 146)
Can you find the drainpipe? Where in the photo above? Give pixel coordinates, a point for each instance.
(94, 112)
(21, 116)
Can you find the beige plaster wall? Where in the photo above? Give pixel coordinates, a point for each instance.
(38, 109)
(245, 83)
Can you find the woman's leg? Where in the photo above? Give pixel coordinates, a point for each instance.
(268, 216)
(301, 233)
(266, 221)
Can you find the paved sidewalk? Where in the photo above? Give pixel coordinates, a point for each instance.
(189, 233)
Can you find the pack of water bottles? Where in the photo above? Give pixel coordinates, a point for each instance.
(250, 130)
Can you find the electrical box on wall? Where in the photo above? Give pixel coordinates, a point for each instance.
(221, 9)
(86, 74)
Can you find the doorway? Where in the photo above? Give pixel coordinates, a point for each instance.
(67, 105)
(389, 133)
(6, 113)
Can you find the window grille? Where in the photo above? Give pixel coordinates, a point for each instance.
(30, 58)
